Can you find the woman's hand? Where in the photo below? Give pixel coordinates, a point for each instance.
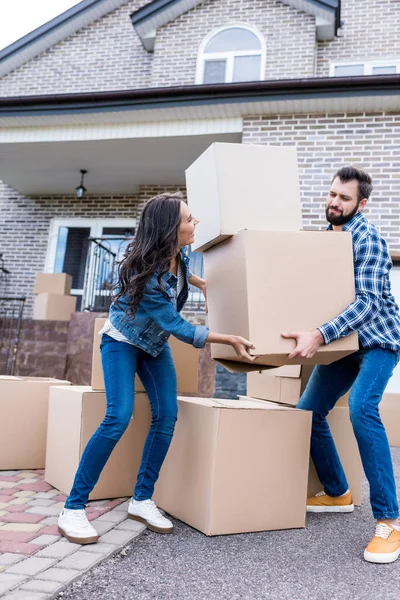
(242, 347)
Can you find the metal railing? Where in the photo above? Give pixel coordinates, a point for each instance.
(100, 276)
(11, 312)
(4, 276)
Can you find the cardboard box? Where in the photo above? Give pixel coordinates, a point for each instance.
(186, 359)
(284, 384)
(74, 415)
(53, 307)
(261, 284)
(389, 409)
(242, 186)
(53, 283)
(346, 445)
(236, 466)
(23, 425)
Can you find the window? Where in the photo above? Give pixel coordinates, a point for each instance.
(393, 386)
(354, 69)
(69, 249)
(231, 54)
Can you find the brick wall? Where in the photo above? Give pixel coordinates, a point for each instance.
(326, 142)
(289, 36)
(371, 31)
(106, 55)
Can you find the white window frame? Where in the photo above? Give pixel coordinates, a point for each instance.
(96, 226)
(367, 64)
(202, 56)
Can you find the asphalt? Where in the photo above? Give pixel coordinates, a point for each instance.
(322, 562)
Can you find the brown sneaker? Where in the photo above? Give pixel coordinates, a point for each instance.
(384, 546)
(323, 503)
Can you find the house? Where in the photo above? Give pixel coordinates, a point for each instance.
(133, 91)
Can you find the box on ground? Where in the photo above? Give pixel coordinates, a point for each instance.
(53, 307)
(236, 466)
(53, 283)
(186, 359)
(284, 384)
(242, 186)
(23, 425)
(261, 284)
(74, 414)
(346, 445)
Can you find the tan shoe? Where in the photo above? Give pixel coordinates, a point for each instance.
(384, 546)
(323, 503)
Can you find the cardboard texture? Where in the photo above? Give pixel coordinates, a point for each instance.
(53, 307)
(23, 425)
(228, 455)
(74, 415)
(53, 283)
(346, 444)
(284, 385)
(243, 186)
(186, 359)
(389, 409)
(261, 284)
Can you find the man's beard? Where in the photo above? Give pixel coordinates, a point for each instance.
(340, 219)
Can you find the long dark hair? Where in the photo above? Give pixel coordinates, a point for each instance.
(153, 248)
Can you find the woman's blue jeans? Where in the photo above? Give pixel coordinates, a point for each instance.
(121, 361)
(367, 373)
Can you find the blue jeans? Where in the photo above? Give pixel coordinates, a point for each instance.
(366, 372)
(121, 362)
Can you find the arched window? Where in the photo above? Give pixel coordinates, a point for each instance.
(231, 54)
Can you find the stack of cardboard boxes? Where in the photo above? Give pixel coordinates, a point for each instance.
(237, 466)
(53, 300)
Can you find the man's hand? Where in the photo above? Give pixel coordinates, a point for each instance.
(307, 343)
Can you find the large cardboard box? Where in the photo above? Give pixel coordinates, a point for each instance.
(74, 415)
(53, 307)
(284, 384)
(236, 466)
(186, 359)
(261, 284)
(242, 186)
(23, 424)
(53, 283)
(346, 445)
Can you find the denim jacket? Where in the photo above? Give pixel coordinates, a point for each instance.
(157, 315)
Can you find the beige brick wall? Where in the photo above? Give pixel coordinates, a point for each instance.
(371, 31)
(325, 143)
(289, 35)
(106, 55)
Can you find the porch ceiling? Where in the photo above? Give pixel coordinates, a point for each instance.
(117, 166)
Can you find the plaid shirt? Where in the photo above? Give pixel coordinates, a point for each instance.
(374, 314)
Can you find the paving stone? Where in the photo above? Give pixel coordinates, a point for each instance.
(49, 494)
(21, 527)
(7, 492)
(8, 478)
(10, 559)
(23, 474)
(28, 480)
(113, 517)
(60, 549)
(96, 503)
(17, 501)
(99, 548)
(24, 494)
(123, 506)
(22, 517)
(24, 595)
(41, 502)
(131, 525)
(51, 530)
(15, 547)
(8, 484)
(8, 473)
(17, 508)
(50, 521)
(45, 540)
(40, 486)
(47, 511)
(39, 585)
(117, 537)
(102, 526)
(16, 536)
(32, 566)
(61, 575)
(80, 560)
(3, 513)
(10, 581)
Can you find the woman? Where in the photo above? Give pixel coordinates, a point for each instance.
(152, 289)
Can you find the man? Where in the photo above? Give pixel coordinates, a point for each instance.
(375, 316)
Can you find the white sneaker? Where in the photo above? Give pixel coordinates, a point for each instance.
(74, 525)
(145, 511)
